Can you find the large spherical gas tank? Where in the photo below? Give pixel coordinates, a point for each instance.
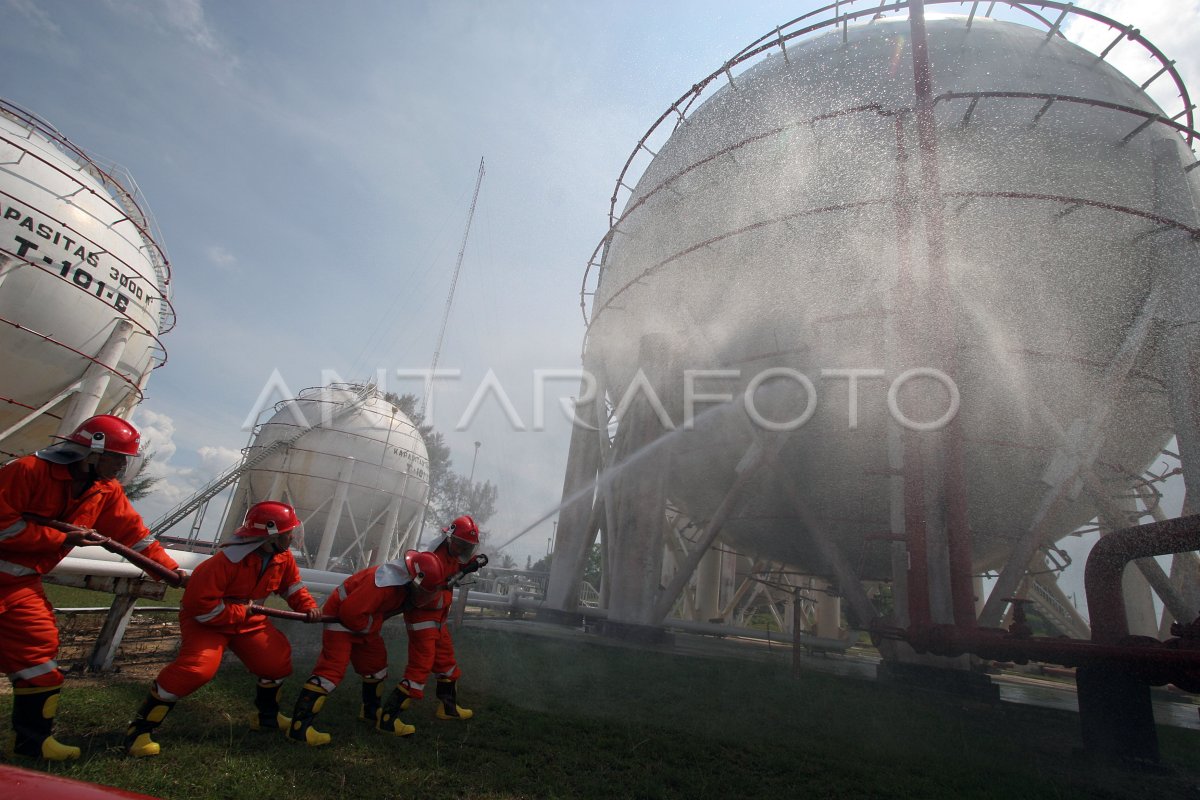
(781, 226)
(366, 453)
(77, 262)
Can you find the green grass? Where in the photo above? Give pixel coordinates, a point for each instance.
(71, 597)
(563, 719)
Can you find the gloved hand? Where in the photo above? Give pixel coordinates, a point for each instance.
(475, 564)
(313, 615)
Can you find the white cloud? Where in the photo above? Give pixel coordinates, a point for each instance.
(1161, 24)
(218, 459)
(221, 257)
(157, 431)
(179, 481)
(185, 19)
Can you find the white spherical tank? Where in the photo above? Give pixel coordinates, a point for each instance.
(781, 226)
(358, 481)
(84, 286)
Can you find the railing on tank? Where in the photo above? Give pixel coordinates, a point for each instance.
(157, 348)
(125, 198)
(839, 13)
(121, 376)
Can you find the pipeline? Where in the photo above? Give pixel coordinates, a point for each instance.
(1176, 660)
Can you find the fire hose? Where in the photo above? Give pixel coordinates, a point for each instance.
(92, 537)
(149, 565)
(279, 613)
(474, 565)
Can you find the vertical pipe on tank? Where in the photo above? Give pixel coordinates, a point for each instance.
(954, 485)
(96, 378)
(334, 515)
(909, 453)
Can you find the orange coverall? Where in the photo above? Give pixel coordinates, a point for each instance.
(430, 648)
(361, 607)
(31, 485)
(213, 616)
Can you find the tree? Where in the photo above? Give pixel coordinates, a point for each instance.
(450, 494)
(592, 569)
(139, 484)
(506, 561)
(459, 496)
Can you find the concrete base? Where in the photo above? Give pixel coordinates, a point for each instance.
(959, 682)
(1116, 715)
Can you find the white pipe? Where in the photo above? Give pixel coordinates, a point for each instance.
(96, 378)
(100, 562)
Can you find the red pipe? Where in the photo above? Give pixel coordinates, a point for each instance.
(958, 533)
(1175, 661)
(1108, 559)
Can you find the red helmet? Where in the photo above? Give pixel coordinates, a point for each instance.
(107, 434)
(425, 569)
(266, 519)
(463, 538)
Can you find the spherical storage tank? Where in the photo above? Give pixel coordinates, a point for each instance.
(84, 286)
(358, 479)
(782, 219)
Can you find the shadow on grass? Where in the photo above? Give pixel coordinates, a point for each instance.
(576, 718)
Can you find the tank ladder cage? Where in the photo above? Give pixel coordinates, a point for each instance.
(158, 349)
(830, 16)
(225, 479)
(121, 199)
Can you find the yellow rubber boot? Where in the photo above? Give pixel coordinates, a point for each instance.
(137, 736)
(34, 709)
(448, 707)
(389, 714)
(308, 705)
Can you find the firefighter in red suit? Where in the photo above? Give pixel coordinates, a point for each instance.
(430, 648)
(361, 604)
(214, 615)
(74, 481)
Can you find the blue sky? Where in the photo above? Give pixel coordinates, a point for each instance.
(310, 165)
